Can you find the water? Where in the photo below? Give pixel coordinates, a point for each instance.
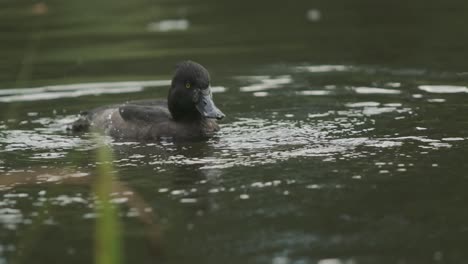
(345, 139)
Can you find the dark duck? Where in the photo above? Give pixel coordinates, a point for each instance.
(189, 111)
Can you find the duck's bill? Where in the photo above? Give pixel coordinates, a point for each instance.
(208, 109)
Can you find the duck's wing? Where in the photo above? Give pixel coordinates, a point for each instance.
(144, 113)
(149, 102)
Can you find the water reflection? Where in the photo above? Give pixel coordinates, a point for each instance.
(345, 139)
(243, 141)
(75, 90)
(443, 89)
(168, 25)
(330, 154)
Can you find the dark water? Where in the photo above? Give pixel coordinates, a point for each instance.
(345, 139)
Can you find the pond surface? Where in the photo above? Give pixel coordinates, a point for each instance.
(345, 141)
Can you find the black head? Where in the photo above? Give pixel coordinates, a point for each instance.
(190, 94)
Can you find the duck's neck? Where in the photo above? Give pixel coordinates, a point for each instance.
(187, 116)
(182, 108)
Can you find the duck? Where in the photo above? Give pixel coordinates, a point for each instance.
(188, 112)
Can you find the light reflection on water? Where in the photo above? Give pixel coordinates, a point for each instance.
(345, 139)
(337, 138)
(244, 141)
(75, 90)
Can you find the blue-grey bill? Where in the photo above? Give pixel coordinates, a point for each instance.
(208, 109)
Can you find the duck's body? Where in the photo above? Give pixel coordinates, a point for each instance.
(188, 113)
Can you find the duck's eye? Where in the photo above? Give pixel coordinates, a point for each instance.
(187, 85)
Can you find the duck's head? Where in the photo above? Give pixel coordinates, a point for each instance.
(190, 94)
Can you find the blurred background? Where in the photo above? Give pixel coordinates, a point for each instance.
(345, 140)
(69, 42)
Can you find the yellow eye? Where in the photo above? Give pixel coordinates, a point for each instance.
(187, 85)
